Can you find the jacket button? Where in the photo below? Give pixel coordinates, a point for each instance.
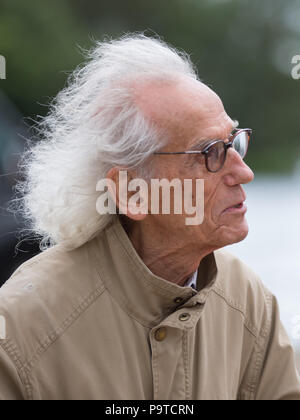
(160, 334)
(184, 317)
(178, 300)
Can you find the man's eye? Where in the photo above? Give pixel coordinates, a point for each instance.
(212, 153)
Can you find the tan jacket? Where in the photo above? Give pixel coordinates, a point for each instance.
(95, 323)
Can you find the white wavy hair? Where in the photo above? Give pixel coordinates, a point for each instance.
(93, 125)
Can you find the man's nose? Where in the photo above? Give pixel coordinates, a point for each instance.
(236, 170)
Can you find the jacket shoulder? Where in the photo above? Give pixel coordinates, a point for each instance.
(243, 290)
(44, 296)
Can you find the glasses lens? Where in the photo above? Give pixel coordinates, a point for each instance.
(241, 143)
(215, 156)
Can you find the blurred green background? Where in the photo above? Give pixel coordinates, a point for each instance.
(242, 48)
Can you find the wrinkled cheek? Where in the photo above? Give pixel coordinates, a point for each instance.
(215, 220)
(211, 214)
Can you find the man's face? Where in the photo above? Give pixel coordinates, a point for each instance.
(192, 114)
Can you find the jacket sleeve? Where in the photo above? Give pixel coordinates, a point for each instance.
(11, 387)
(278, 377)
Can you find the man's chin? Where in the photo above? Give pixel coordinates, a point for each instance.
(234, 236)
(239, 236)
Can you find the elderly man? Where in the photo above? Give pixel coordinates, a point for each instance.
(139, 305)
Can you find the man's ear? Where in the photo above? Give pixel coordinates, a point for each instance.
(120, 194)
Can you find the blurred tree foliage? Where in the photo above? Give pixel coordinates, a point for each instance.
(242, 48)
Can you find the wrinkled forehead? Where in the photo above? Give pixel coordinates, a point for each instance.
(186, 108)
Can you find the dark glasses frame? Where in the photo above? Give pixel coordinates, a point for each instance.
(205, 151)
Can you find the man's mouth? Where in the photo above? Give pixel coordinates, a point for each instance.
(237, 208)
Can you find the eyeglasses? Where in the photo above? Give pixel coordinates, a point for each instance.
(216, 151)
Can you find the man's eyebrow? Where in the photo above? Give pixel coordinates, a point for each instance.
(235, 125)
(205, 141)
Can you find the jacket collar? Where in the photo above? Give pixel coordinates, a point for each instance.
(143, 295)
